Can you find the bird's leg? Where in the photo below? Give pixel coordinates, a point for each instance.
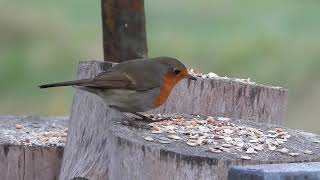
(131, 121)
(147, 119)
(144, 118)
(137, 114)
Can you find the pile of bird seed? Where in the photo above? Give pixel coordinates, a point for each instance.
(220, 135)
(212, 75)
(34, 132)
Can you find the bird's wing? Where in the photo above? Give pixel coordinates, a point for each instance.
(118, 79)
(126, 75)
(105, 80)
(111, 80)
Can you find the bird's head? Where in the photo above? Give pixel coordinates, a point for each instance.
(174, 68)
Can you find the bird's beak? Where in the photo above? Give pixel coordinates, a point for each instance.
(191, 77)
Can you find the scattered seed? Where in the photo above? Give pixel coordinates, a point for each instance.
(156, 132)
(175, 137)
(272, 135)
(272, 148)
(258, 148)
(226, 145)
(278, 130)
(223, 119)
(245, 157)
(218, 137)
(193, 144)
(19, 126)
(36, 125)
(250, 151)
(228, 131)
(164, 142)
(228, 139)
(213, 150)
(170, 127)
(148, 138)
(294, 154)
(308, 152)
(272, 131)
(227, 150)
(254, 141)
(221, 134)
(283, 150)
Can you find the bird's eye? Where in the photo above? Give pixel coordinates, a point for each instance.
(176, 71)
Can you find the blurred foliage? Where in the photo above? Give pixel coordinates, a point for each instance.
(272, 42)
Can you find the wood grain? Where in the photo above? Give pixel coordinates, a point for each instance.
(228, 98)
(28, 162)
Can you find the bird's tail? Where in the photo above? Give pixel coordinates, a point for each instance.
(66, 83)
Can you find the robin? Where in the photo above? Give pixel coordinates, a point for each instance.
(134, 86)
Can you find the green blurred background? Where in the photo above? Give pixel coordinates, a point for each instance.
(272, 42)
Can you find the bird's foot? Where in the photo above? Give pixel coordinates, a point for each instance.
(143, 118)
(143, 121)
(148, 119)
(137, 124)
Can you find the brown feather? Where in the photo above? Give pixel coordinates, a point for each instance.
(66, 83)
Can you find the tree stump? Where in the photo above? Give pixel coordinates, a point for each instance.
(99, 147)
(228, 98)
(31, 148)
(119, 152)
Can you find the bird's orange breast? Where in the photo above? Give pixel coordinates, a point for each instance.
(169, 81)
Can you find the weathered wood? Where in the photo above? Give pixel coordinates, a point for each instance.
(228, 98)
(99, 147)
(124, 34)
(89, 115)
(23, 155)
(119, 152)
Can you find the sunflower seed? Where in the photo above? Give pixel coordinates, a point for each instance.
(258, 147)
(283, 150)
(308, 152)
(164, 142)
(245, 157)
(156, 132)
(148, 138)
(250, 151)
(272, 148)
(226, 145)
(228, 131)
(294, 154)
(175, 137)
(193, 144)
(19, 126)
(213, 150)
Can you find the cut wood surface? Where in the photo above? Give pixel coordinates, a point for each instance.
(33, 150)
(99, 147)
(120, 152)
(27, 149)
